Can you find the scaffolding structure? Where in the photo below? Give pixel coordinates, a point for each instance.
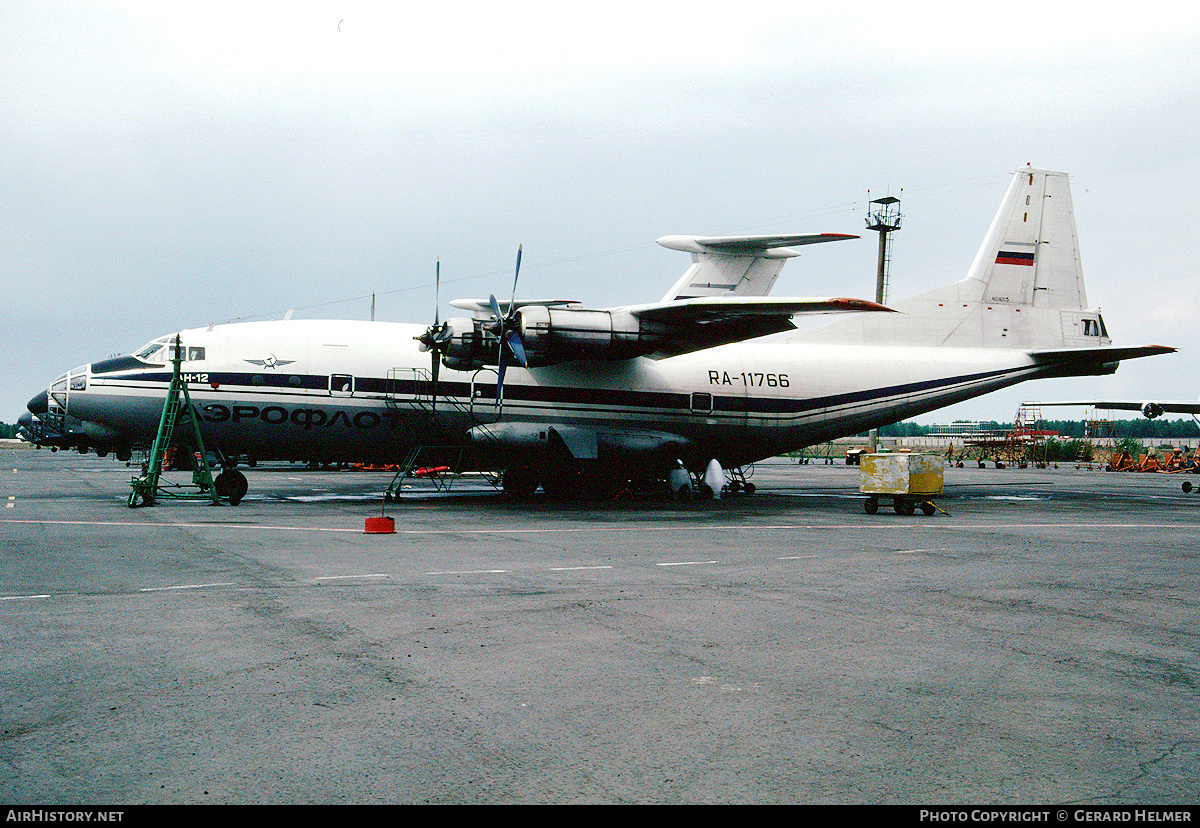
(178, 444)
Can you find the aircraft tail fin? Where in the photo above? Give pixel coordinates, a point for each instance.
(1024, 290)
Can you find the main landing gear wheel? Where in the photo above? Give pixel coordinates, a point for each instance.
(231, 484)
(520, 482)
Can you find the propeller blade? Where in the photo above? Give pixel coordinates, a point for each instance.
(437, 364)
(500, 375)
(513, 340)
(513, 302)
(496, 308)
(437, 290)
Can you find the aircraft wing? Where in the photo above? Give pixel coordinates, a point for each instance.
(483, 307)
(708, 309)
(705, 322)
(1168, 406)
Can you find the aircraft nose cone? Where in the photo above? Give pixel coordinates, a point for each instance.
(38, 404)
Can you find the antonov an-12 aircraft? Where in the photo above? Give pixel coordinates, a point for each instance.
(577, 399)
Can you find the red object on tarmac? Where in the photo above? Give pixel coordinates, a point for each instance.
(380, 526)
(425, 471)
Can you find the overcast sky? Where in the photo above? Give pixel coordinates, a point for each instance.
(167, 165)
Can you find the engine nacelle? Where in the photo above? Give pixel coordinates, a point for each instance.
(552, 335)
(469, 346)
(1152, 410)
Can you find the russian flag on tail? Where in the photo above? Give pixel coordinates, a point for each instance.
(1015, 257)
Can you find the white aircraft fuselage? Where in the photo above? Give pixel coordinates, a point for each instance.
(365, 394)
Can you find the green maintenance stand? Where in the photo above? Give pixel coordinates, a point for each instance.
(179, 414)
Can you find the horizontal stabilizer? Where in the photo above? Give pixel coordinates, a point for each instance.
(748, 245)
(1085, 356)
(1074, 362)
(729, 266)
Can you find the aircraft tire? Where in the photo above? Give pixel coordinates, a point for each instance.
(563, 483)
(232, 485)
(520, 482)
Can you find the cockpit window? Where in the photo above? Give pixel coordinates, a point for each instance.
(163, 350)
(150, 351)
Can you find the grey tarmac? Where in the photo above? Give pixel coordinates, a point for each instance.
(1033, 642)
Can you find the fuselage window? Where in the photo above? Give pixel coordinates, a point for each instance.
(195, 354)
(341, 384)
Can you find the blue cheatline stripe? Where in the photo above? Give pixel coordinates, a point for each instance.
(600, 397)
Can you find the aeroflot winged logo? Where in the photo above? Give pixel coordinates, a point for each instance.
(271, 362)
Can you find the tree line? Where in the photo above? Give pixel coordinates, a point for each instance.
(1141, 428)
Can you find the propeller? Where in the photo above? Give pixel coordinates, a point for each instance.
(437, 336)
(505, 329)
